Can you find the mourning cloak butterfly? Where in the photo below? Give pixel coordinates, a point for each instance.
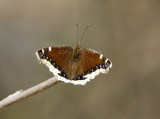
(74, 65)
(77, 66)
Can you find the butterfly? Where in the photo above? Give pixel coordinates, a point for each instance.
(74, 65)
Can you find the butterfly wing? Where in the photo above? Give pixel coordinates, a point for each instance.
(55, 58)
(94, 63)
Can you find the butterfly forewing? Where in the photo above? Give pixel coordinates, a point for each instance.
(91, 59)
(59, 54)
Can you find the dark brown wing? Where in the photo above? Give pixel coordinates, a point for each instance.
(59, 54)
(91, 60)
(57, 57)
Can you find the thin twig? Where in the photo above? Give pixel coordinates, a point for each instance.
(21, 95)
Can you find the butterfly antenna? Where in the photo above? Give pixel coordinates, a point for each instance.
(77, 32)
(84, 31)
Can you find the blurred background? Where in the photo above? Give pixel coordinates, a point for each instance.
(125, 31)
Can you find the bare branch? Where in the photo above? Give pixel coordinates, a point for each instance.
(21, 95)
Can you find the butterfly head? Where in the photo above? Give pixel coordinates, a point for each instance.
(77, 52)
